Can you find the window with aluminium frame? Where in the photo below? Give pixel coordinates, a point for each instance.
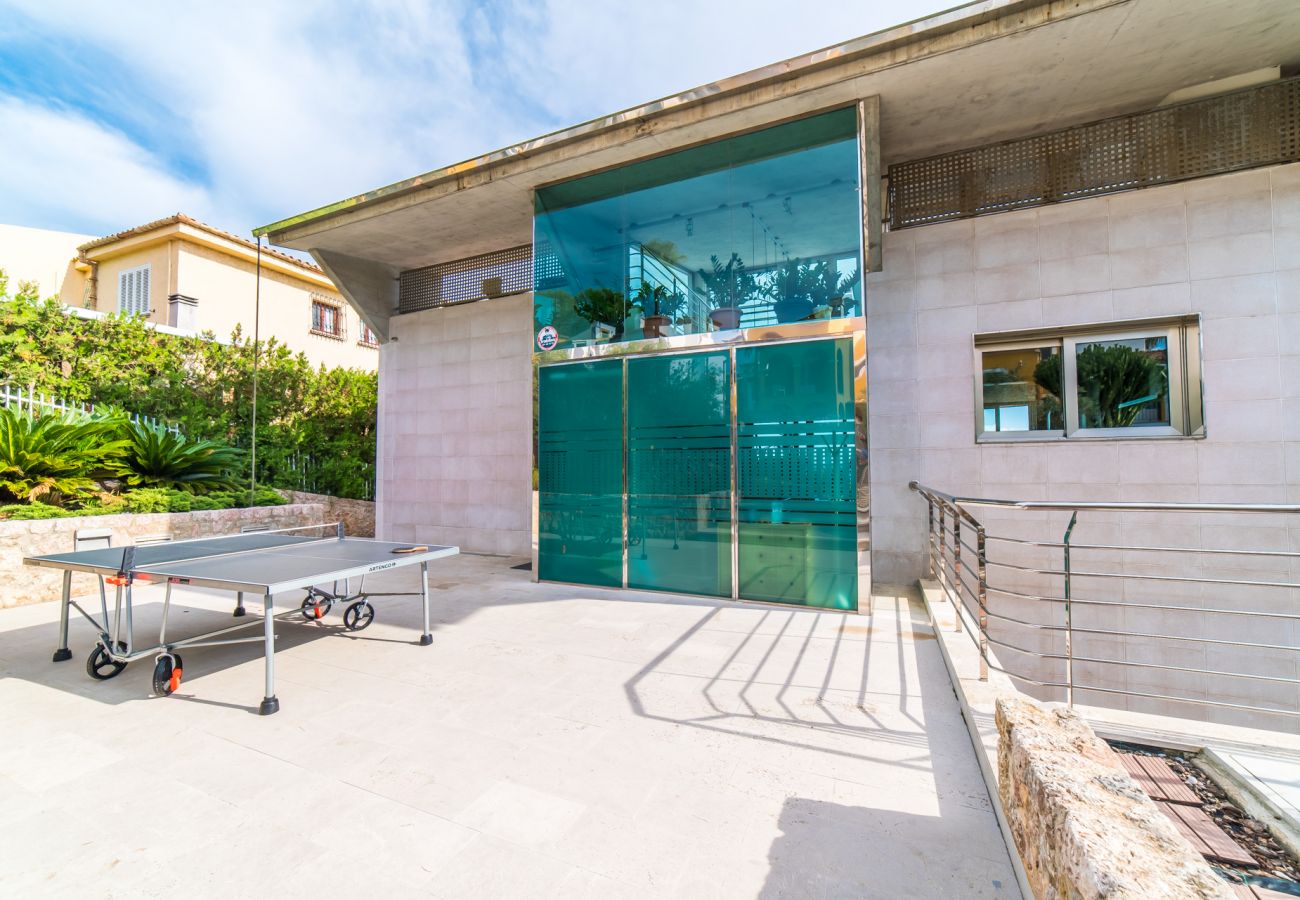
(1131, 379)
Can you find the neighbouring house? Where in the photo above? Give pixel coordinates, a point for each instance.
(38, 256)
(1027, 250)
(182, 274)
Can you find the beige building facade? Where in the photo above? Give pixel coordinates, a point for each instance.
(180, 273)
(744, 341)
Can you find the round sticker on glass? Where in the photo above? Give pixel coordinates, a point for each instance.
(548, 337)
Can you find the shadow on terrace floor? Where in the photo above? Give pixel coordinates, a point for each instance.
(865, 701)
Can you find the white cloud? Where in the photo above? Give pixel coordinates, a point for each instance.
(60, 170)
(282, 107)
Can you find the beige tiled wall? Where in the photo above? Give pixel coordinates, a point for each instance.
(1226, 247)
(455, 414)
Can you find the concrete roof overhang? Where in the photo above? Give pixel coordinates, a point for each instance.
(982, 72)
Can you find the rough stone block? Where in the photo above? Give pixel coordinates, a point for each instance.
(1082, 826)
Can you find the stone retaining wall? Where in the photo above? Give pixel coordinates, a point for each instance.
(28, 584)
(1082, 826)
(357, 516)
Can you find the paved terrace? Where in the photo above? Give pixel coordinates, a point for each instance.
(554, 741)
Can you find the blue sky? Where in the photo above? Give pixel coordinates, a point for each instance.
(112, 114)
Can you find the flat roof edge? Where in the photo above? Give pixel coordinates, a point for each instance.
(966, 15)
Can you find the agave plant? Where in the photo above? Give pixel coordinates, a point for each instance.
(53, 457)
(156, 457)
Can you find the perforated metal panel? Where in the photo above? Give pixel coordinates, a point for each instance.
(1241, 130)
(496, 274)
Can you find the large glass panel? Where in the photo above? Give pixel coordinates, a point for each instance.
(679, 473)
(1123, 383)
(1022, 389)
(796, 474)
(580, 473)
(747, 231)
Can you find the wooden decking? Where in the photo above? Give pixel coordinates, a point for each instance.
(1183, 807)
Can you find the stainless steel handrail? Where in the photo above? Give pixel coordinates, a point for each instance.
(961, 567)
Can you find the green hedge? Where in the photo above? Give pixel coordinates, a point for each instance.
(203, 386)
(148, 500)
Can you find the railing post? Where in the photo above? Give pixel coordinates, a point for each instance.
(982, 559)
(956, 565)
(1069, 614)
(929, 534)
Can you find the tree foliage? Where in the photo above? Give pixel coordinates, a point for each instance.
(202, 385)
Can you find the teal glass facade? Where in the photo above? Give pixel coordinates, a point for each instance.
(758, 229)
(783, 456)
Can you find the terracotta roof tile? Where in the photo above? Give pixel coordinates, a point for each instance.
(182, 219)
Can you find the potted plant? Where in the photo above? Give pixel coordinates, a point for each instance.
(602, 306)
(828, 288)
(800, 289)
(728, 287)
(658, 306)
(790, 290)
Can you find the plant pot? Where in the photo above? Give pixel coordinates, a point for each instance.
(792, 310)
(656, 326)
(725, 318)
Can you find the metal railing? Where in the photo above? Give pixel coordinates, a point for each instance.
(645, 267)
(1059, 614)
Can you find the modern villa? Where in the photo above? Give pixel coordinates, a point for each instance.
(1027, 250)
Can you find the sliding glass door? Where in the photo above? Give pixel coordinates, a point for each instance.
(795, 478)
(679, 473)
(580, 473)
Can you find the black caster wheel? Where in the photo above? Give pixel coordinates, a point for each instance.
(358, 616)
(101, 667)
(314, 608)
(167, 675)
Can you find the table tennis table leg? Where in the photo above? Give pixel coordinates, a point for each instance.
(269, 703)
(425, 639)
(239, 605)
(62, 652)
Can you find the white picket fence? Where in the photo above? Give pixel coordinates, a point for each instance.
(33, 402)
(303, 468)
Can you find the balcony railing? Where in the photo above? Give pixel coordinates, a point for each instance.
(1180, 627)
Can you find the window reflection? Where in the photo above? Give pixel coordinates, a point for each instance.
(1022, 389)
(754, 230)
(1123, 383)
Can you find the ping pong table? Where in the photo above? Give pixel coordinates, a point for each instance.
(265, 563)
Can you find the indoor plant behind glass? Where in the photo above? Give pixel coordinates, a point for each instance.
(828, 288)
(800, 289)
(658, 306)
(790, 290)
(728, 287)
(602, 306)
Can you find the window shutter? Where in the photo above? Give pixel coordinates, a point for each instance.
(133, 291)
